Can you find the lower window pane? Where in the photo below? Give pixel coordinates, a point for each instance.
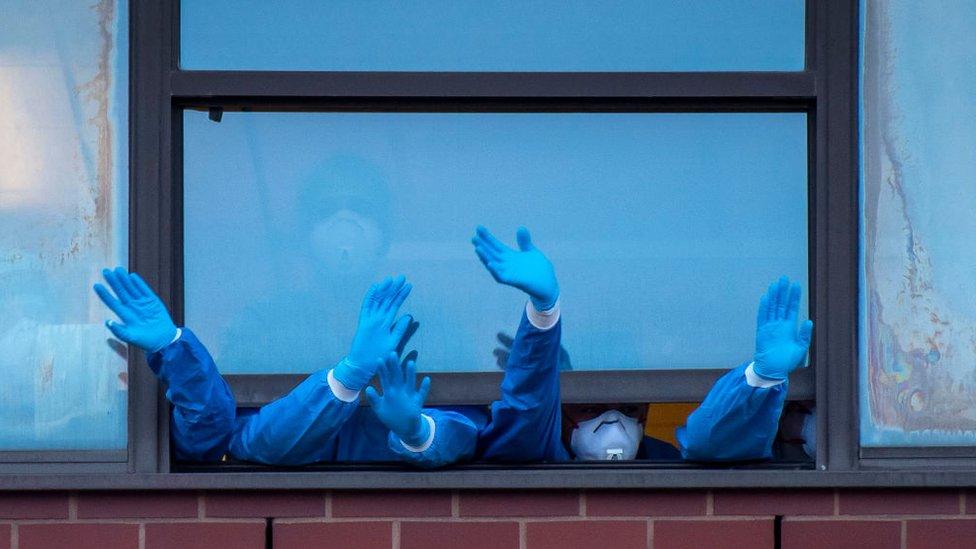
(63, 216)
(918, 285)
(664, 230)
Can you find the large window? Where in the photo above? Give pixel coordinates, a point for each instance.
(288, 217)
(63, 216)
(918, 287)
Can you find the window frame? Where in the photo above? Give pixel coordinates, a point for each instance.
(826, 90)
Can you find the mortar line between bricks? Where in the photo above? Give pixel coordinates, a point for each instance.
(14, 536)
(709, 503)
(455, 504)
(887, 518)
(144, 520)
(563, 518)
(142, 536)
(582, 504)
(395, 536)
(836, 502)
(202, 506)
(328, 505)
(962, 502)
(72, 507)
(523, 537)
(650, 533)
(904, 534)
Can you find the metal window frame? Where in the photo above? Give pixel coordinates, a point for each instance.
(826, 90)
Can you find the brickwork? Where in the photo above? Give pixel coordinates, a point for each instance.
(629, 519)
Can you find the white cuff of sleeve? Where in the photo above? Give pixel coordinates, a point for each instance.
(753, 379)
(542, 320)
(179, 334)
(430, 437)
(340, 391)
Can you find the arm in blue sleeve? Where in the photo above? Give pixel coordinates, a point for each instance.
(453, 439)
(526, 423)
(203, 406)
(296, 429)
(736, 422)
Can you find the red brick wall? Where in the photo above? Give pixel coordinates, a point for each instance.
(475, 520)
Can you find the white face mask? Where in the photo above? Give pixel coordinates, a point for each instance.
(347, 242)
(609, 436)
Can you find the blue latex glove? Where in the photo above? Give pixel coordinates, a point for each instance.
(145, 321)
(526, 269)
(400, 404)
(780, 348)
(379, 332)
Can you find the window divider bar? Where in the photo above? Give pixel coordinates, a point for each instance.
(310, 85)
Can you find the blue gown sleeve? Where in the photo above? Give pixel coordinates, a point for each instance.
(203, 406)
(736, 422)
(526, 423)
(297, 429)
(455, 440)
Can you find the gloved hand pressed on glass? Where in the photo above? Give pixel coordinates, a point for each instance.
(780, 347)
(379, 332)
(145, 321)
(526, 268)
(401, 403)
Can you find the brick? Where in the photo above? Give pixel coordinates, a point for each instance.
(137, 505)
(899, 502)
(592, 534)
(941, 534)
(469, 535)
(518, 504)
(391, 504)
(773, 502)
(264, 504)
(715, 534)
(33, 505)
(5, 536)
(328, 535)
(78, 536)
(645, 504)
(841, 534)
(205, 535)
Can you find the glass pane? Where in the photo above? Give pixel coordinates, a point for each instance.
(918, 286)
(493, 35)
(664, 229)
(63, 196)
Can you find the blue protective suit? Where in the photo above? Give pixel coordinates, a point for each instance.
(736, 422)
(203, 406)
(526, 423)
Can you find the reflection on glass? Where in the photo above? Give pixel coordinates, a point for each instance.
(664, 229)
(63, 181)
(918, 285)
(493, 35)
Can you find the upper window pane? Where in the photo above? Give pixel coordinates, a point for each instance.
(663, 228)
(918, 285)
(63, 215)
(493, 35)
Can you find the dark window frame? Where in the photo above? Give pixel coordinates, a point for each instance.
(826, 90)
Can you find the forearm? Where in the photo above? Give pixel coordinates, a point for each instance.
(452, 438)
(294, 429)
(737, 421)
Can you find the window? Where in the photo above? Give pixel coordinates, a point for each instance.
(63, 215)
(635, 222)
(498, 35)
(759, 120)
(917, 286)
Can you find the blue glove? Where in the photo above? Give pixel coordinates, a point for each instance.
(400, 404)
(780, 348)
(526, 269)
(379, 332)
(145, 321)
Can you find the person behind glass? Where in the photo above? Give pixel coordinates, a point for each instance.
(320, 419)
